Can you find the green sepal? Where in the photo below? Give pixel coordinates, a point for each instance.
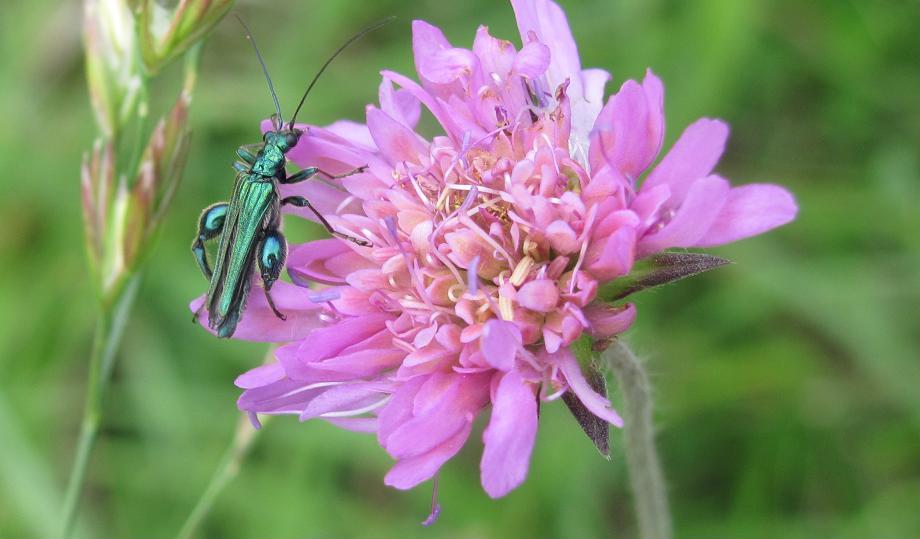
(658, 270)
(597, 429)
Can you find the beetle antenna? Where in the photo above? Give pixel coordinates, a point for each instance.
(351, 40)
(271, 87)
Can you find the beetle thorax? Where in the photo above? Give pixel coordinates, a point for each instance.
(269, 161)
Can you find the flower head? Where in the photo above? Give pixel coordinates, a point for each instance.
(489, 241)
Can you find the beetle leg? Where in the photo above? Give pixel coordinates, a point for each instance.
(301, 175)
(272, 252)
(210, 225)
(247, 152)
(246, 155)
(302, 202)
(352, 172)
(309, 172)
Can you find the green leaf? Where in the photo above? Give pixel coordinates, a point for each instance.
(657, 270)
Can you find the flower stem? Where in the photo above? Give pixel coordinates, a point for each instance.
(645, 474)
(109, 328)
(226, 470)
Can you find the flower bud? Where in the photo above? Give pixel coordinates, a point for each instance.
(158, 178)
(97, 178)
(165, 34)
(121, 218)
(112, 70)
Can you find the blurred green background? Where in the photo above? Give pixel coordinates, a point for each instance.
(787, 385)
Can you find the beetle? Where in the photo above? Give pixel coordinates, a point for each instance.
(249, 224)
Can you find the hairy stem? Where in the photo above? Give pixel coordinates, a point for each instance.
(226, 470)
(645, 475)
(109, 328)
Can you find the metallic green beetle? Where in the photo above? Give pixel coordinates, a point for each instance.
(248, 225)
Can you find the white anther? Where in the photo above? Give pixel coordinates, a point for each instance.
(521, 271)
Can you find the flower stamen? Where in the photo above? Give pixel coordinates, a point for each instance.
(521, 271)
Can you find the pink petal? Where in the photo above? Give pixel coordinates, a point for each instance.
(465, 246)
(439, 413)
(334, 154)
(449, 337)
(409, 472)
(259, 323)
(540, 295)
(399, 409)
(552, 341)
(429, 354)
(510, 436)
(281, 397)
(427, 42)
(532, 60)
(327, 341)
(571, 328)
(495, 55)
(607, 321)
(363, 362)
(346, 262)
(607, 185)
(288, 356)
(321, 146)
(499, 343)
(422, 434)
(692, 157)
(367, 280)
(396, 141)
(562, 238)
(649, 202)
(307, 260)
(597, 404)
(353, 302)
(616, 255)
(399, 104)
(629, 129)
(437, 387)
(654, 92)
(344, 398)
(547, 21)
(260, 376)
(750, 210)
(355, 424)
(330, 150)
(431, 102)
(613, 221)
(353, 132)
(693, 219)
(446, 66)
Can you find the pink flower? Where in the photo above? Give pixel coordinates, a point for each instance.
(489, 243)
